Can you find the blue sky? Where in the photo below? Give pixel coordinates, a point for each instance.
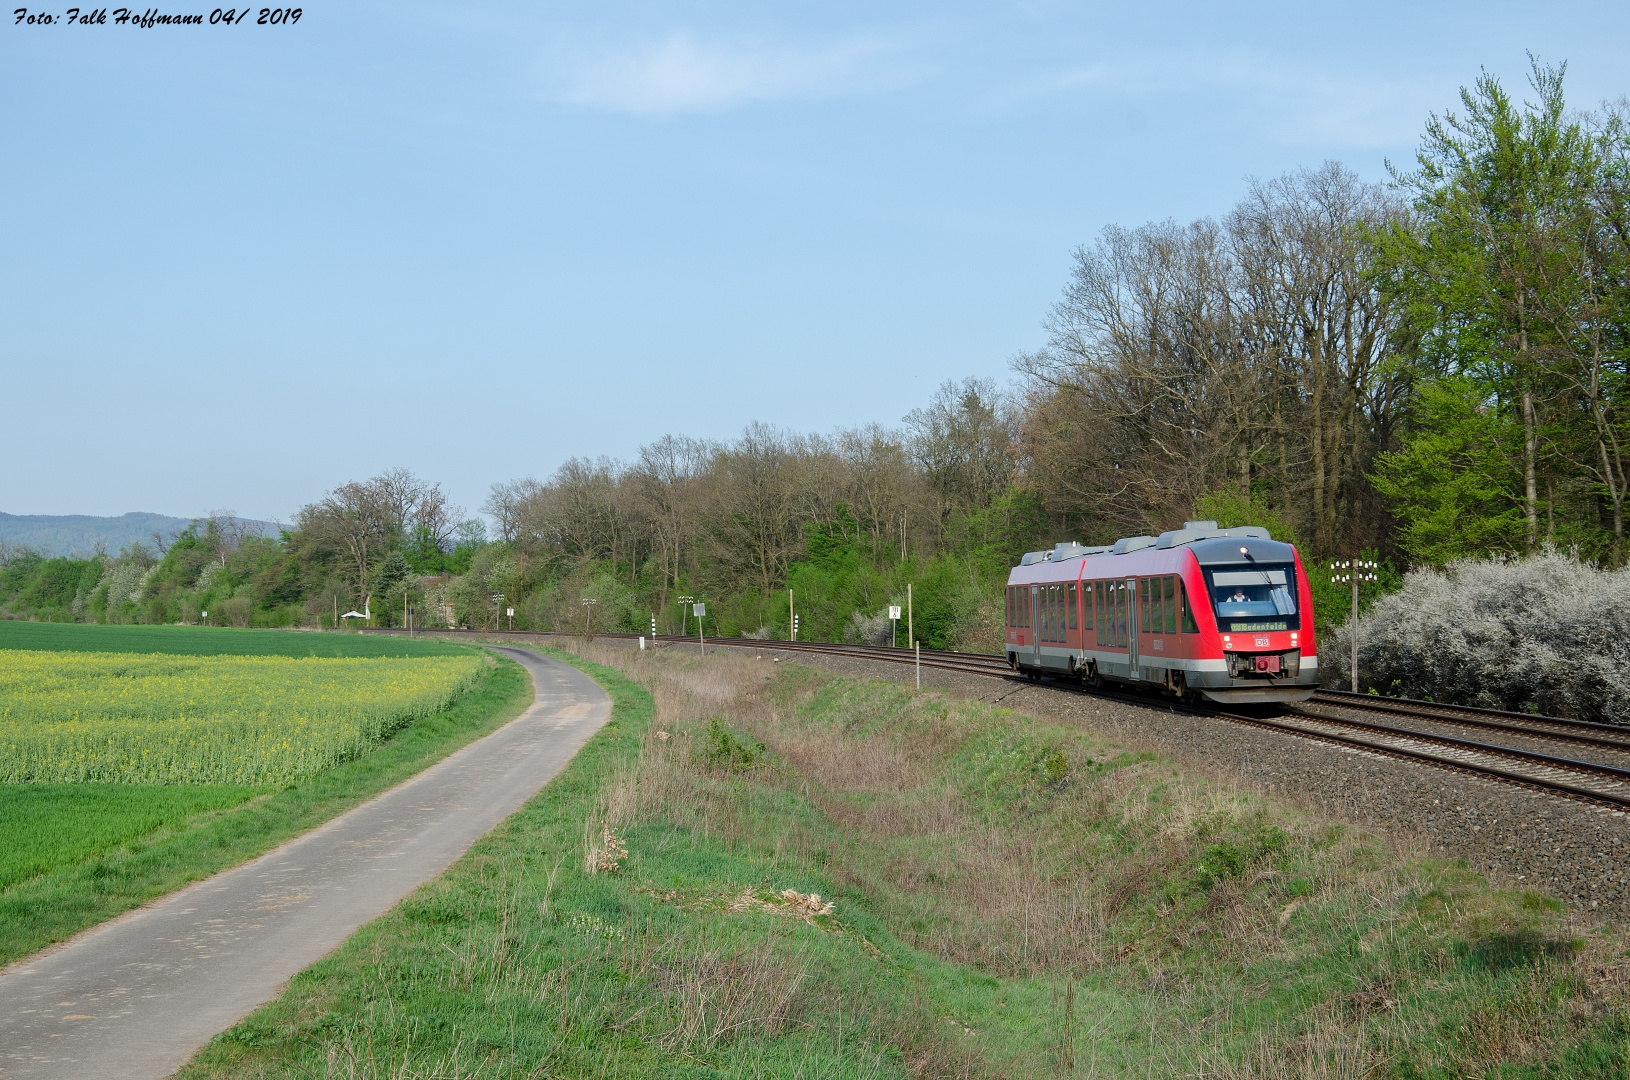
(239, 266)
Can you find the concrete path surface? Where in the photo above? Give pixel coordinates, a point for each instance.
(135, 997)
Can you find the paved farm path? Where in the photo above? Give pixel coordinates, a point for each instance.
(135, 997)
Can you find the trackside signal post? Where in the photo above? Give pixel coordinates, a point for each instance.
(1354, 571)
(699, 610)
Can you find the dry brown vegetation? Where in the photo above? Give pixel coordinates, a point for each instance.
(1239, 936)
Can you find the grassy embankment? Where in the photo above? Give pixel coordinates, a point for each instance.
(80, 853)
(1010, 898)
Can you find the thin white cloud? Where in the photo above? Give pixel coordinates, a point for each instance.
(1291, 101)
(682, 73)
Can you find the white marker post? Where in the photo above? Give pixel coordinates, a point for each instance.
(699, 610)
(911, 629)
(894, 626)
(919, 647)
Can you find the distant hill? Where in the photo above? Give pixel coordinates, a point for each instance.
(78, 534)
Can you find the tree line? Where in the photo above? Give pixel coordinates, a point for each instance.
(1423, 370)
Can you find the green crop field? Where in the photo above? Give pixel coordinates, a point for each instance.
(165, 719)
(127, 774)
(212, 641)
(53, 825)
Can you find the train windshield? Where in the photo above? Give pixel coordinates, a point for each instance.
(1254, 598)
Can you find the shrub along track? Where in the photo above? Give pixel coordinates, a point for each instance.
(1596, 783)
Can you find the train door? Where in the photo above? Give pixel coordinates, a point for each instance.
(1132, 628)
(1035, 624)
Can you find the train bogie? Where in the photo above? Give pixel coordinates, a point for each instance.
(1223, 614)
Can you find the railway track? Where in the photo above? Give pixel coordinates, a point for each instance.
(1580, 780)
(1552, 728)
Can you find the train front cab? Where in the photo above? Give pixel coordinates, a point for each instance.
(1256, 622)
(1189, 612)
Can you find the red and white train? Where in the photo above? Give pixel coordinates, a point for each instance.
(1225, 614)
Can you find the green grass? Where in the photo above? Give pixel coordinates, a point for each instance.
(112, 847)
(212, 641)
(1012, 898)
(52, 826)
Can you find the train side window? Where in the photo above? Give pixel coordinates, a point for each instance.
(1086, 604)
(1146, 624)
(1168, 603)
(1097, 595)
(1189, 626)
(1074, 607)
(1120, 613)
(1009, 598)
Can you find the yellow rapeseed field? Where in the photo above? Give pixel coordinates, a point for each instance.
(157, 719)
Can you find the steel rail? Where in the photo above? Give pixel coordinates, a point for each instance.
(1348, 699)
(1439, 715)
(1533, 783)
(1533, 757)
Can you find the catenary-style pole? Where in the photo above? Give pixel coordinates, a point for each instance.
(1354, 634)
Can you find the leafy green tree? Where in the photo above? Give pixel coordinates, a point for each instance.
(1456, 484)
(1509, 271)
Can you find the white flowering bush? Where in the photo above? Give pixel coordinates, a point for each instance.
(1547, 634)
(868, 630)
(125, 581)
